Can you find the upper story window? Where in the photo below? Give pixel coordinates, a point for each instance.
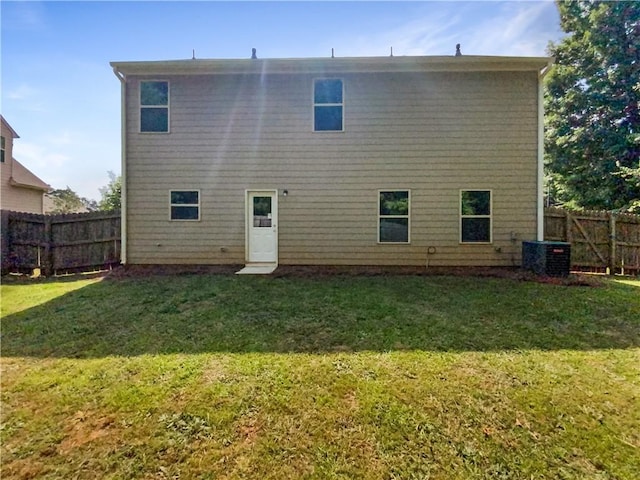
(2, 147)
(328, 105)
(185, 204)
(393, 216)
(154, 106)
(475, 216)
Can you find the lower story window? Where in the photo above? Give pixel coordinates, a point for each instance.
(393, 216)
(475, 216)
(185, 204)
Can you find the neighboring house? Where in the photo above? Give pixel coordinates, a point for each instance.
(21, 190)
(433, 161)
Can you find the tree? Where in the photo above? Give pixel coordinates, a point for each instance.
(111, 194)
(67, 201)
(592, 103)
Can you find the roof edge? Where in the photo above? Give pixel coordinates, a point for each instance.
(9, 127)
(26, 178)
(333, 65)
(14, 183)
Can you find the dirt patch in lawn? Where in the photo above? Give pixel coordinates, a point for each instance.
(136, 271)
(24, 469)
(512, 273)
(318, 271)
(83, 428)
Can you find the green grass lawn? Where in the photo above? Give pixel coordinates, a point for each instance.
(386, 377)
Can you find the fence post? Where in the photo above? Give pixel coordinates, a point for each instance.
(612, 244)
(568, 227)
(46, 259)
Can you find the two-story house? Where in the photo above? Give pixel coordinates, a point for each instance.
(433, 161)
(20, 189)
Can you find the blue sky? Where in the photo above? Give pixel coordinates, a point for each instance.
(59, 93)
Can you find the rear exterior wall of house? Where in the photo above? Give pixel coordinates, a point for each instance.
(433, 134)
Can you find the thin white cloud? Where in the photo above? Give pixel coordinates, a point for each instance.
(26, 98)
(25, 15)
(69, 158)
(39, 156)
(61, 139)
(519, 29)
(22, 92)
(512, 28)
(427, 35)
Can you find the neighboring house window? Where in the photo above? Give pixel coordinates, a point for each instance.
(393, 216)
(154, 106)
(2, 146)
(475, 216)
(328, 105)
(185, 205)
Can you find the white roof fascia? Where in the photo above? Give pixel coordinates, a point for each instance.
(333, 65)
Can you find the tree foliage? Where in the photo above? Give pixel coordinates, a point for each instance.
(111, 194)
(592, 104)
(66, 200)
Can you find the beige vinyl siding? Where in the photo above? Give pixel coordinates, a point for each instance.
(8, 202)
(21, 199)
(431, 133)
(15, 198)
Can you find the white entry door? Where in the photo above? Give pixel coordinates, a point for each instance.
(262, 223)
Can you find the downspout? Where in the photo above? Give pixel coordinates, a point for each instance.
(540, 223)
(123, 167)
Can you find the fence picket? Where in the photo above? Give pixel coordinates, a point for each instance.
(59, 243)
(611, 240)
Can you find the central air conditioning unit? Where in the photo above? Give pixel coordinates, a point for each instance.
(552, 259)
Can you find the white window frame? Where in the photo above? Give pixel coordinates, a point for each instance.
(314, 105)
(407, 216)
(198, 205)
(490, 216)
(3, 148)
(167, 106)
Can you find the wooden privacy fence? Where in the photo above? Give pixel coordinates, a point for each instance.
(59, 243)
(600, 241)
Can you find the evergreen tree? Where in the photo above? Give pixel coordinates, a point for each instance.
(592, 105)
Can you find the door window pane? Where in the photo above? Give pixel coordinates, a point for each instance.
(262, 211)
